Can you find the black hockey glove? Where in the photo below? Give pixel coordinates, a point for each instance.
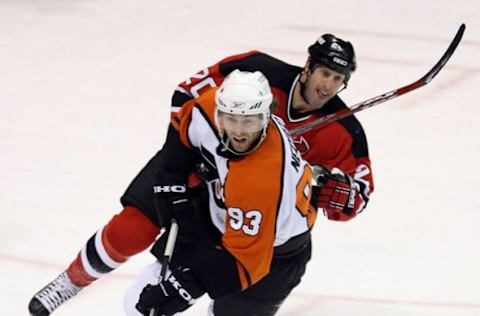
(171, 196)
(337, 193)
(176, 293)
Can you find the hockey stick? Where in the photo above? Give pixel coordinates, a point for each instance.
(172, 237)
(386, 96)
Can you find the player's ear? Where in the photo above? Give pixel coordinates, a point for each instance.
(307, 64)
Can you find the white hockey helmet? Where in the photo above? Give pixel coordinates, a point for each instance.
(245, 93)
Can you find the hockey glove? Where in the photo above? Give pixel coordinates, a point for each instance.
(171, 196)
(176, 293)
(337, 193)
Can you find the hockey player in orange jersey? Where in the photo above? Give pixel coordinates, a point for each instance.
(254, 228)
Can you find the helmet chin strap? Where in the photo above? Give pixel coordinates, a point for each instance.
(302, 91)
(302, 87)
(225, 141)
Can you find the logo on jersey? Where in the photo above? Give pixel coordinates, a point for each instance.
(207, 171)
(301, 144)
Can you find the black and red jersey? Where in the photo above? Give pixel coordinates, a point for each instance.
(340, 144)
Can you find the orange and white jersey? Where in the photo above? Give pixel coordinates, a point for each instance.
(257, 201)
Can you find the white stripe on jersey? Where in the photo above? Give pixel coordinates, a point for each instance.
(290, 222)
(201, 135)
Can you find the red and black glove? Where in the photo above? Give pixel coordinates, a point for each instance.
(337, 194)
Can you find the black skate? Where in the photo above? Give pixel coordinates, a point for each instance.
(53, 295)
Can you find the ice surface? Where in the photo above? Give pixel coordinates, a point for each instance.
(85, 89)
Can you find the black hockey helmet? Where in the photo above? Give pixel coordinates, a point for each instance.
(334, 53)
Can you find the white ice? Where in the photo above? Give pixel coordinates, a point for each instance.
(85, 90)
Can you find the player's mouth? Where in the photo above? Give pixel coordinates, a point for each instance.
(240, 143)
(322, 95)
(240, 140)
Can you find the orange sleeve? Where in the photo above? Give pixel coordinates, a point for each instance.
(181, 121)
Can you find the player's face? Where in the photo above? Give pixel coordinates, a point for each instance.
(322, 84)
(241, 130)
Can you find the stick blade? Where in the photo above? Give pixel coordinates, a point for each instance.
(446, 56)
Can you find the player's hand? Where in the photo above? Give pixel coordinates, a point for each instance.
(171, 196)
(176, 293)
(337, 193)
